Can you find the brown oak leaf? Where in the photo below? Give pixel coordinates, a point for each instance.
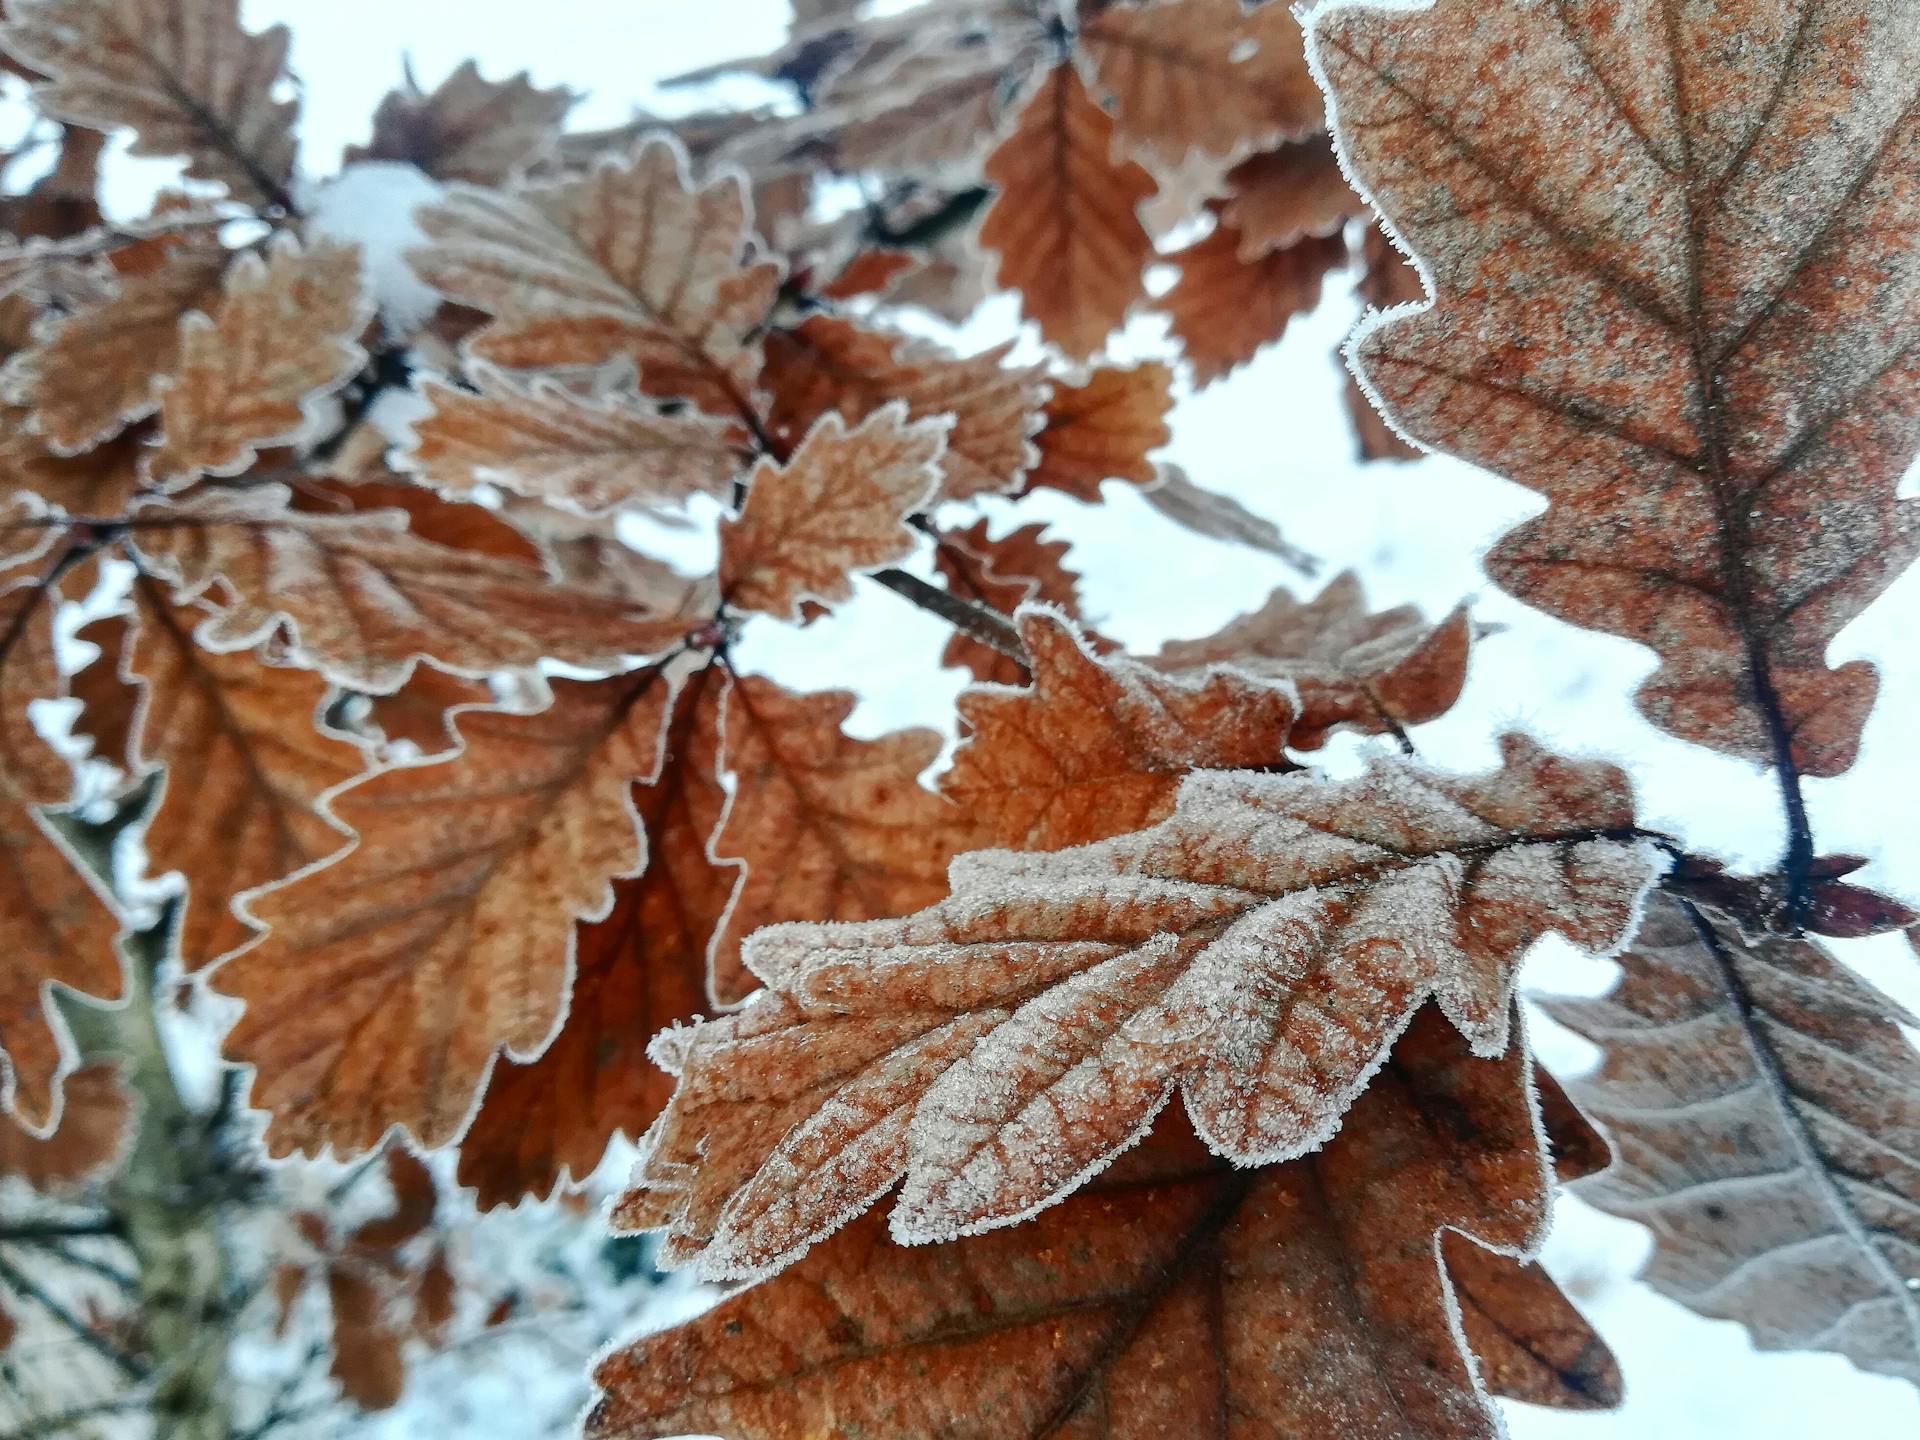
(283, 336)
(823, 826)
(30, 596)
(1103, 430)
(365, 598)
(96, 1122)
(1259, 950)
(1371, 672)
(1064, 222)
(187, 79)
(388, 979)
(641, 968)
(238, 739)
(1002, 574)
(420, 711)
(1280, 197)
(838, 506)
(1706, 363)
(1094, 748)
(591, 453)
(1387, 279)
(1175, 1295)
(107, 701)
(470, 128)
(1761, 1101)
(367, 1357)
(1223, 308)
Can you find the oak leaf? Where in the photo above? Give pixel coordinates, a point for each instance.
(419, 713)
(1175, 1295)
(390, 977)
(1259, 950)
(284, 335)
(107, 701)
(96, 1120)
(839, 505)
(641, 968)
(1375, 672)
(367, 1357)
(553, 444)
(1706, 363)
(1280, 197)
(469, 128)
(186, 78)
(629, 260)
(823, 826)
(827, 365)
(30, 597)
(1761, 1101)
(365, 598)
(458, 524)
(1223, 308)
(1064, 223)
(1095, 748)
(1002, 574)
(239, 739)
(1103, 429)
(1387, 279)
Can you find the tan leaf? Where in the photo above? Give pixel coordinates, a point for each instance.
(1208, 75)
(1387, 279)
(99, 482)
(1175, 1296)
(550, 443)
(1064, 222)
(1104, 430)
(825, 827)
(1706, 363)
(837, 507)
(1221, 517)
(95, 1126)
(470, 128)
(185, 77)
(1283, 196)
(1002, 574)
(461, 525)
(1764, 1108)
(1258, 950)
(630, 260)
(640, 969)
(239, 740)
(101, 368)
(367, 1358)
(284, 335)
(419, 712)
(1095, 748)
(390, 978)
(365, 598)
(828, 365)
(1223, 309)
(1374, 672)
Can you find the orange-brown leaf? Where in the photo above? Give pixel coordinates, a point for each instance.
(238, 739)
(1002, 574)
(419, 713)
(825, 827)
(1387, 278)
(1176, 1295)
(107, 701)
(1531, 1343)
(639, 970)
(367, 1358)
(1094, 748)
(95, 1122)
(1280, 197)
(1064, 222)
(1103, 430)
(30, 670)
(829, 365)
(1706, 363)
(1224, 308)
(1372, 672)
(414, 1201)
(1258, 950)
(390, 978)
(283, 336)
(470, 128)
(838, 506)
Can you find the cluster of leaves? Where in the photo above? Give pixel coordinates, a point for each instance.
(462, 898)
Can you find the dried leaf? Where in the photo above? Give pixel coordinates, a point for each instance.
(1175, 1295)
(419, 712)
(871, 272)
(107, 701)
(1064, 223)
(550, 443)
(1096, 748)
(238, 739)
(1531, 1344)
(1221, 517)
(1281, 197)
(283, 337)
(414, 1201)
(367, 1359)
(389, 978)
(1762, 1105)
(1223, 309)
(824, 826)
(458, 524)
(837, 507)
(365, 598)
(640, 969)
(1705, 363)
(1259, 950)
(30, 670)
(1387, 279)
(630, 260)
(829, 365)
(95, 1125)
(1206, 75)
(185, 77)
(1376, 673)
(470, 128)
(1002, 574)
(1103, 430)
(433, 1297)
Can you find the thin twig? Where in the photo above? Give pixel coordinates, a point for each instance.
(23, 1285)
(79, 1415)
(33, 1230)
(976, 622)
